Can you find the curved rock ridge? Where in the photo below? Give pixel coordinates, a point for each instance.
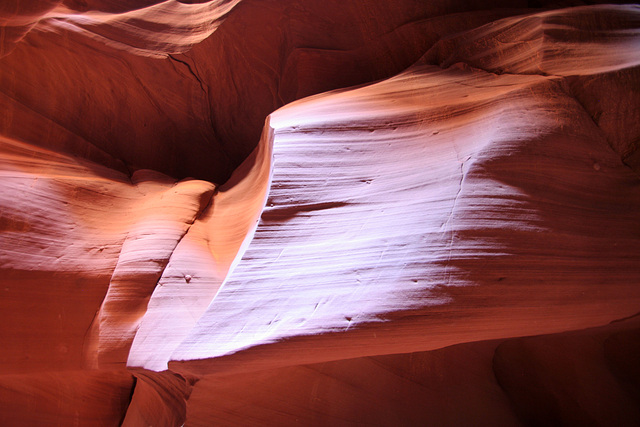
(57, 241)
(425, 210)
(200, 113)
(577, 41)
(168, 27)
(149, 28)
(595, 46)
(201, 261)
(58, 250)
(376, 256)
(159, 226)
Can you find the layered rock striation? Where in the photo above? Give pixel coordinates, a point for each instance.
(312, 213)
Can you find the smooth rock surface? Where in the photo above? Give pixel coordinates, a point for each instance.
(425, 210)
(559, 379)
(265, 212)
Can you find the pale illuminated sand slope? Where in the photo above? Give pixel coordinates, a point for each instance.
(319, 213)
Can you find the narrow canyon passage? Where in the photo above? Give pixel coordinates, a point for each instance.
(262, 212)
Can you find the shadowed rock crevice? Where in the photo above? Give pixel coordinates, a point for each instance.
(572, 378)
(159, 399)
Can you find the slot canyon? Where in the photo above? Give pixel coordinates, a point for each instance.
(319, 213)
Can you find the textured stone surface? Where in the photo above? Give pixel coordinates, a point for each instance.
(70, 398)
(196, 226)
(558, 379)
(477, 196)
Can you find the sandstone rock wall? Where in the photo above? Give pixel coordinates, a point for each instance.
(264, 212)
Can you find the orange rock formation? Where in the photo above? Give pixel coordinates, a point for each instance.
(265, 212)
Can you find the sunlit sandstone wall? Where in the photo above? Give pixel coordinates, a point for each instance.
(485, 189)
